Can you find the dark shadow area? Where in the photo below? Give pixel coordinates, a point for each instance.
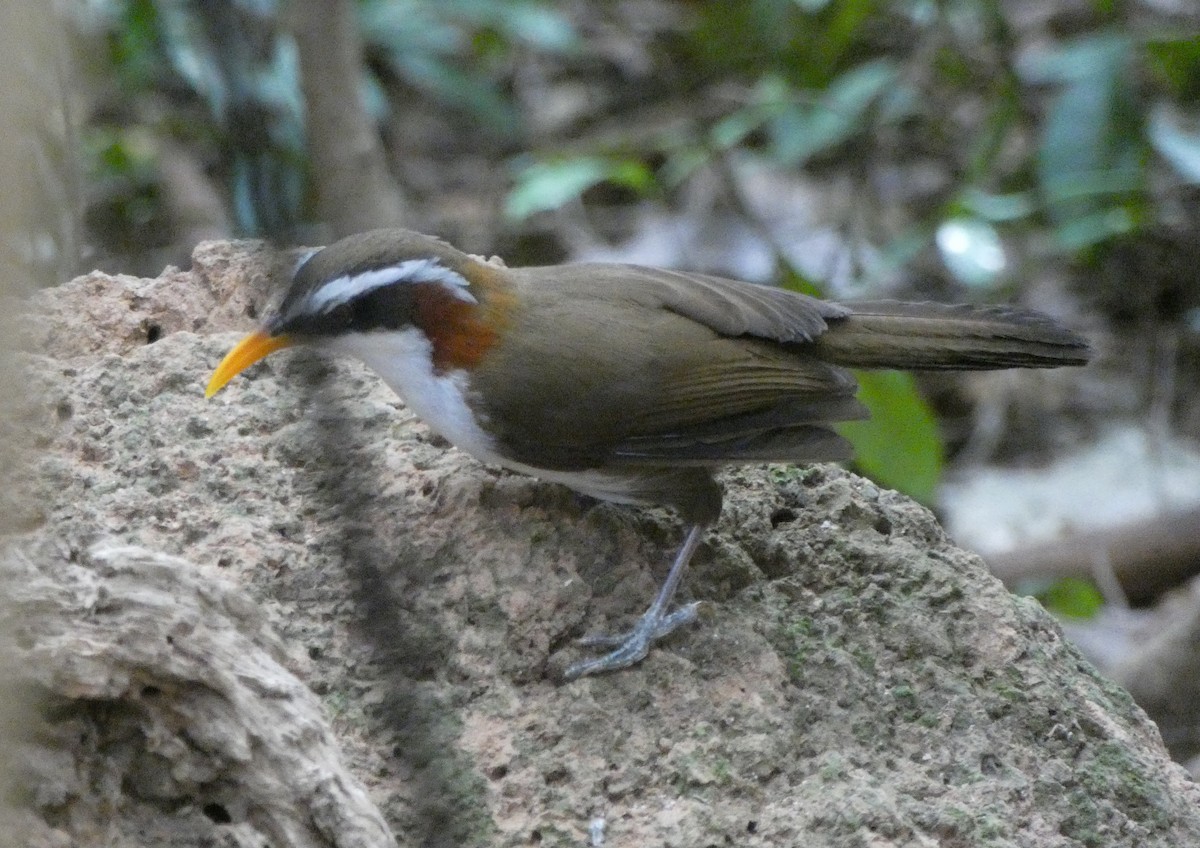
(409, 649)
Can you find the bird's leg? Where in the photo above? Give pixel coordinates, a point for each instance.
(655, 623)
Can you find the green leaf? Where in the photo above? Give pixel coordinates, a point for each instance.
(1078, 60)
(899, 445)
(135, 47)
(844, 29)
(1071, 597)
(545, 186)
(450, 49)
(994, 137)
(631, 173)
(794, 279)
(461, 89)
(1092, 152)
(998, 207)
(733, 129)
(803, 130)
(119, 154)
(772, 95)
(537, 24)
(1175, 60)
(1176, 142)
(1087, 230)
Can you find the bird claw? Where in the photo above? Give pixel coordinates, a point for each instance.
(656, 627)
(633, 646)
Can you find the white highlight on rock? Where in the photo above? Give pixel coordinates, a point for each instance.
(342, 289)
(596, 832)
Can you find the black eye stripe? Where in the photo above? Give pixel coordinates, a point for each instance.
(387, 308)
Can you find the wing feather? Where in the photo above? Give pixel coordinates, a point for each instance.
(695, 370)
(729, 307)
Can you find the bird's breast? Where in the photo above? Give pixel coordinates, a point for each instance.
(442, 398)
(448, 403)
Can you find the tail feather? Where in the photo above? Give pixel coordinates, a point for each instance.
(934, 336)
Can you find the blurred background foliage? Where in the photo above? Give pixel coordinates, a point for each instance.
(1078, 119)
(945, 147)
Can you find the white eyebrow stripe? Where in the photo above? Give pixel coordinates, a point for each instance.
(342, 289)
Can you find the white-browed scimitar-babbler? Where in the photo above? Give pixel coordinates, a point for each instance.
(627, 383)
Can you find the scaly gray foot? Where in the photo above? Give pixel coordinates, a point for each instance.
(633, 646)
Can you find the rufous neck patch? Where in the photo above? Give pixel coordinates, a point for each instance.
(458, 330)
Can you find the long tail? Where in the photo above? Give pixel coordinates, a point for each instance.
(934, 336)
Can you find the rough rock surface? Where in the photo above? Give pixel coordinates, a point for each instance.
(858, 680)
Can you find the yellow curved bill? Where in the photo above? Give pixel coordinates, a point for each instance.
(248, 351)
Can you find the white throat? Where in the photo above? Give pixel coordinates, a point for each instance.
(404, 359)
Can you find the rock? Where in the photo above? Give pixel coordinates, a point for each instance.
(228, 284)
(188, 565)
(168, 693)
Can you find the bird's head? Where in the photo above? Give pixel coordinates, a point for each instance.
(367, 290)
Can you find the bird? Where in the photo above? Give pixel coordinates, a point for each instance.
(627, 383)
